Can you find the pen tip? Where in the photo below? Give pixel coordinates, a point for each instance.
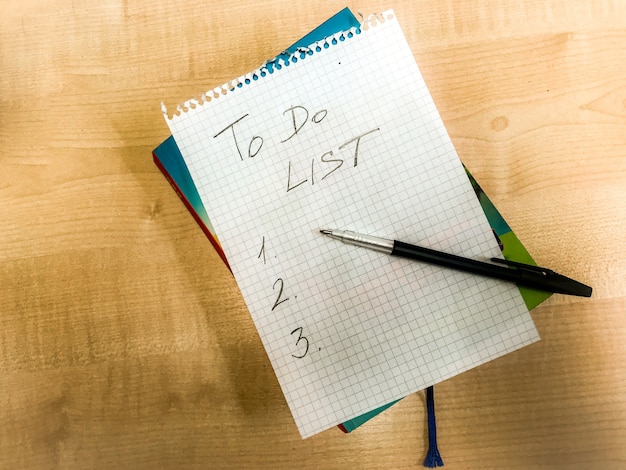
(325, 231)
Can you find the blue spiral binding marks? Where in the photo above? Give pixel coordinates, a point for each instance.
(284, 59)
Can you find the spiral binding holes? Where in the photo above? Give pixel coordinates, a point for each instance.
(284, 59)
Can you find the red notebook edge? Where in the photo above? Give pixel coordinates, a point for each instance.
(190, 208)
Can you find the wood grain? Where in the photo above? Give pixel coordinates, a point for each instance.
(124, 341)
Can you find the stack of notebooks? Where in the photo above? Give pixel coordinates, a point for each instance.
(340, 131)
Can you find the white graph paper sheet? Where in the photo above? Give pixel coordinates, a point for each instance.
(347, 136)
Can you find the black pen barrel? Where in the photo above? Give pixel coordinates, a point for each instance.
(447, 260)
(549, 282)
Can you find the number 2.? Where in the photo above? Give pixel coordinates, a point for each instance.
(280, 293)
(301, 338)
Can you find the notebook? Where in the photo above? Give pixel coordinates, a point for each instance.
(355, 142)
(169, 160)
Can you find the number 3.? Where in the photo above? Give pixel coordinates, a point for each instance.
(301, 338)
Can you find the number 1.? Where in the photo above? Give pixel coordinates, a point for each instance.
(262, 252)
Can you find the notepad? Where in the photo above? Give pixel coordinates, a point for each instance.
(345, 134)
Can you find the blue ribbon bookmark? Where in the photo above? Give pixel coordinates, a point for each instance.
(433, 458)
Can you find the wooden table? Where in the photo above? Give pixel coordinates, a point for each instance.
(124, 341)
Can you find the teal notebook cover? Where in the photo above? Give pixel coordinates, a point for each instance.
(169, 159)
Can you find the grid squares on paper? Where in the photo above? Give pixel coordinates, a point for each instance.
(348, 330)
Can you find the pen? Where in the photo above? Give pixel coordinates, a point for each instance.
(521, 274)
